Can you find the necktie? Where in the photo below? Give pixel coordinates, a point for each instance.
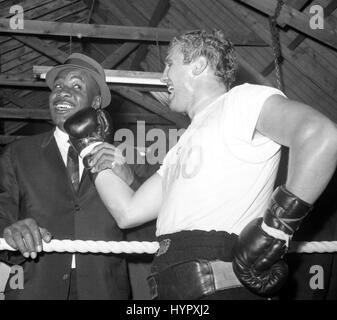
(73, 167)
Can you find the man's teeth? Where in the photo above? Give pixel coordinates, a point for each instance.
(63, 106)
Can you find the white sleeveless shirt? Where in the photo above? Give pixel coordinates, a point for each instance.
(221, 173)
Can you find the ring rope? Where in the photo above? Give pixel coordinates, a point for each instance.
(313, 247)
(93, 246)
(83, 246)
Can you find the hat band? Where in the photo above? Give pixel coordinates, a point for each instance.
(82, 63)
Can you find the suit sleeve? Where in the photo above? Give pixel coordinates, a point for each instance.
(9, 203)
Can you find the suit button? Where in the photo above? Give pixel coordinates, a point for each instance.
(65, 276)
(77, 207)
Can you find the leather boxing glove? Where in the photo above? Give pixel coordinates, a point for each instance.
(258, 251)
(87, 128)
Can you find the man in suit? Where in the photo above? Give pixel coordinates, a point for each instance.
(41, 199)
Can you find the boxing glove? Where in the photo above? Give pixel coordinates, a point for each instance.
(87, 128)
(258, 251)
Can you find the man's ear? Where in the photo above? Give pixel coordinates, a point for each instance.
(200, 64)
(96, 102)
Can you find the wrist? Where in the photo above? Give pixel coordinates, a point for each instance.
(285, 211)
(276, 233)
(84, 153)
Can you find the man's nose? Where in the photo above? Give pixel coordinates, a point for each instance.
(65, 92)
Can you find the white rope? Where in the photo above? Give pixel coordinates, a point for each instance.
(313, 247)
(93, 246)
(152, 247)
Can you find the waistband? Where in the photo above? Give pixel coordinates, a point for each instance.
(195, 244)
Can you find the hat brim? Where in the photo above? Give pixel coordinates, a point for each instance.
(104, 89)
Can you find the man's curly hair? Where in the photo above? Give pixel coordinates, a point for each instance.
(218, 51)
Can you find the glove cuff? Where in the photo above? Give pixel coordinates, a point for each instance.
(285, 211)
(276, 233)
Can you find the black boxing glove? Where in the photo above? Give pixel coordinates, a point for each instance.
(87, 128)
(262, 244)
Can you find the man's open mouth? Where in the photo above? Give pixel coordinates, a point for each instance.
(63, 106)
(170, 89)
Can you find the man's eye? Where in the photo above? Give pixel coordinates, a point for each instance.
(57, 86)
(77, 86)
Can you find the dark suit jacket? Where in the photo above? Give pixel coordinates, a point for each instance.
(34, 183)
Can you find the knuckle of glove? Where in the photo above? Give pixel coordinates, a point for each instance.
(257, 261)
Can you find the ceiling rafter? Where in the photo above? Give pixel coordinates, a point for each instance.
(297, 20)
(43, 47)
(299, 4)
(152, 105)
(298, 59)
(98, 31)
(159, 13)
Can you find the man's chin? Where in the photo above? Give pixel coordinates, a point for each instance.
(59, 120)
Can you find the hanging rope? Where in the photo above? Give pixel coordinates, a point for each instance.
(275, 37)
(152, 247)
(159, 53)
(71, 39)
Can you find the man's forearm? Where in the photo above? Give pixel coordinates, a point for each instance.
(115, 194)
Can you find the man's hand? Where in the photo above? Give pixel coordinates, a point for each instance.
(106, 156)
(258, 260)
(262, 243)
(26, 236)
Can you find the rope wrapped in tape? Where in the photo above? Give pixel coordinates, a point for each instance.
(152, 247)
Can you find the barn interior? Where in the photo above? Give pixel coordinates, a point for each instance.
(296, 53)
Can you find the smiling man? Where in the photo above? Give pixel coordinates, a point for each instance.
(46, 192)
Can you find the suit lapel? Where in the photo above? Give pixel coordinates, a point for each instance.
(54, 162)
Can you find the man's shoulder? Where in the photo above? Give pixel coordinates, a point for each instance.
(253, 90)
(37, 140)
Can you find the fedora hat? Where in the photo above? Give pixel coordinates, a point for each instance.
(92, 67)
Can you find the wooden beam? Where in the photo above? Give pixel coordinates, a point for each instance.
(90, 30)
(159, 13)
(18, 101)
(300, 38)
(112, 60)
(26, 113)
(43, 114)
(17, 81)
(116, 76)
(152, 105)
(297, 20)
(299, 60)
(297, 4)
(43, 47)
(118, 55)
(99, 31)
(259, 78)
